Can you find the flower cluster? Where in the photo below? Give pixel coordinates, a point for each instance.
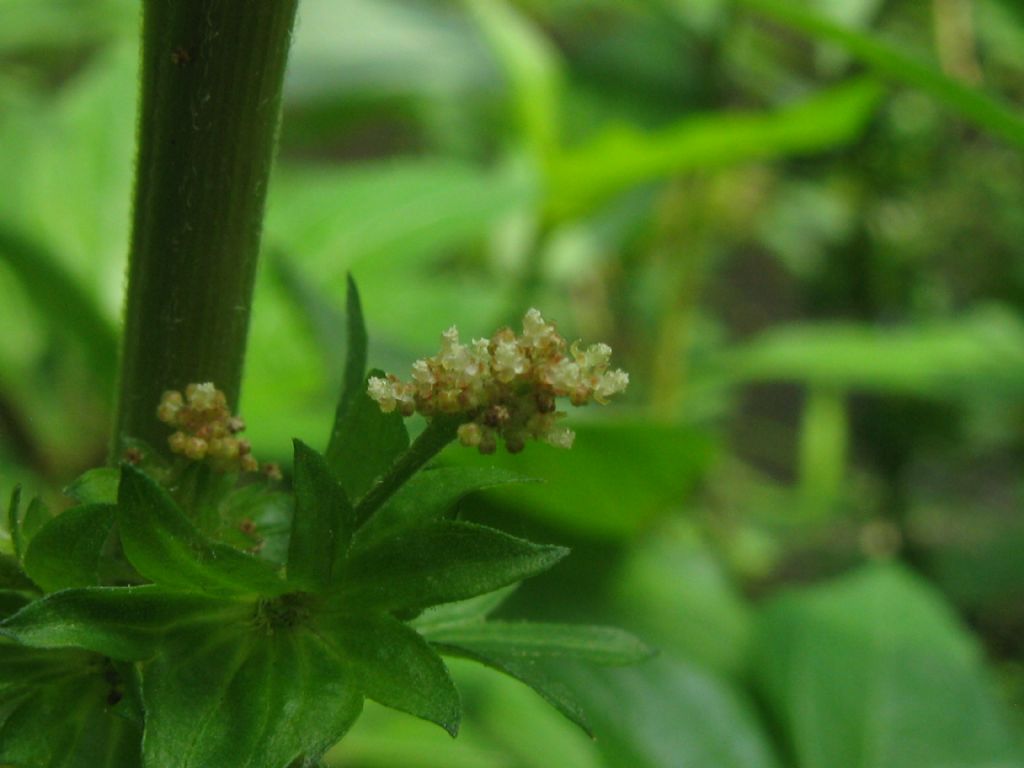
(207, 430)
(506, 386)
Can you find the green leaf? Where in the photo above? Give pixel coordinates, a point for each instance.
(532, 68)
(124, 623)
(14, 522)
(600, 645)
(981, 109)
(55, 710)
(979, 354)
(394, 666)
(355, 355)
(62, 301)
(439, 432)
(622, 157)
(36, 516)
(891, 678)
(12, 601)
(365, 442)
(449, 615)
(246, 696)
(315, 308)
(586, 490)
(66, 551)
(440, 563)
(322, 524)
(668, 714)
(527, 671)
(254, 517)
(429, 495)
(11, 575)
(165, 547)
(95, 486)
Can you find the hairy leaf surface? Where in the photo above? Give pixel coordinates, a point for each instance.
(443, 562)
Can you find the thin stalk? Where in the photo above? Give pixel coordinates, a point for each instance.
(440, 431)
(211, 81)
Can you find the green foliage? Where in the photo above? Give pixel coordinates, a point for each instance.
(851, 651)
(66, 551)
(242, 662)
(983, 110)
(799, 224)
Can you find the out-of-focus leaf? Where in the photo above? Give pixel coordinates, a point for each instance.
(981, 353)
(55, 710)
(164, 546)
(672, 589)
(14, 523)
(389, 212)
(66, 551)
(319, 316)
(622, 157)
(874, 671)
(429, 495)
(532, 68)
(617, 478)
(982, 109)
(666, 714)
(823, 443)
(440, 563)
(322, 524)
(600, 645)
(349, 48)
(32, 25)
(62, 302)
(394, 666)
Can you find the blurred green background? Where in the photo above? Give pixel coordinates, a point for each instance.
(799, 225)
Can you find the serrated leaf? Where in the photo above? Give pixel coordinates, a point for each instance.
(429, 495)
(449, 615)
(125, 623)
(395, 666)
(365, 442)
(527, 671)
(322, 524)
(166, 548)
(245, 696)
(55, 711)
(441, 563)
(600, 645)
(97, 486)
(66, 551)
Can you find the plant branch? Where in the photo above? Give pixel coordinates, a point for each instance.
(211, 76)
(440, 431)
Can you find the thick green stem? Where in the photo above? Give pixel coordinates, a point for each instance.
(211, 91)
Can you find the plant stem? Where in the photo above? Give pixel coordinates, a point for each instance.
(211, 76)
(440, 431)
